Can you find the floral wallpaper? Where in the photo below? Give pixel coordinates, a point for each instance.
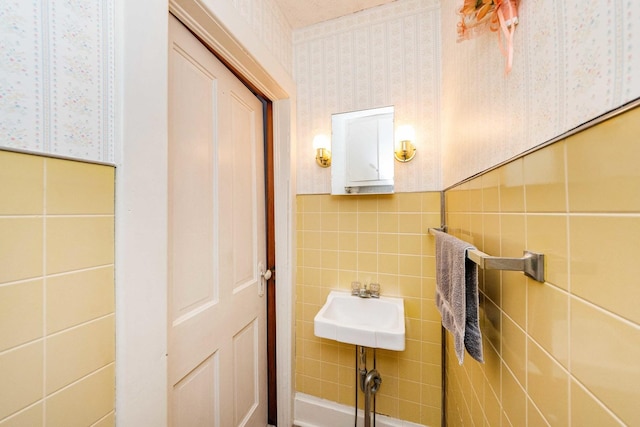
(57, 77)
(388, 55)
(573, 60)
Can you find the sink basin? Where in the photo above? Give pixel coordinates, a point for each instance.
(368, 322)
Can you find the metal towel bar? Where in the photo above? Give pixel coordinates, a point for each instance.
(531, 263)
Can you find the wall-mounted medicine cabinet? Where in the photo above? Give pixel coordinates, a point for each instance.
(362, 151)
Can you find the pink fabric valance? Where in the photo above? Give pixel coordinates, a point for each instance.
(480, 16)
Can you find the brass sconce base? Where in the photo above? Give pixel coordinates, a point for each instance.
(405, 152)
(323, 157)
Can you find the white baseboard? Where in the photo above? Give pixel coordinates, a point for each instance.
(310, 411)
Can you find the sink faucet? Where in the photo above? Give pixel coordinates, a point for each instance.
(372, 291)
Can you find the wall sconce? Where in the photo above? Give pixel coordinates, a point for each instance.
(321, 144)
(405, 150)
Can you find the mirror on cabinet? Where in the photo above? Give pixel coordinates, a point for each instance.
(362, 152)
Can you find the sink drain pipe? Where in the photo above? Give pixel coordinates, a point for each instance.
(369, 382)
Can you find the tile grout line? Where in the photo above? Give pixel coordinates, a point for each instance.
(44, 291)
(605, 311)
(596, 399)
(79, 380)
(81, 325)
(565, 149)
(81, 270)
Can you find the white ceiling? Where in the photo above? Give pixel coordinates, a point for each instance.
(301, 13)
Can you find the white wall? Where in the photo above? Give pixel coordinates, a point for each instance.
(57, 77)
(388, 55)
(141, 213)
(573, 60)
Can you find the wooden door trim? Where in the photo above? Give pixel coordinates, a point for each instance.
(272, 396)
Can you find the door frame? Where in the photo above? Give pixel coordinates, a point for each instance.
(141, 210)
(210, 32)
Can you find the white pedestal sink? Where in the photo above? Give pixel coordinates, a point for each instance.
(367, 322)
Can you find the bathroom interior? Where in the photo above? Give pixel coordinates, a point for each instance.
(542, 157)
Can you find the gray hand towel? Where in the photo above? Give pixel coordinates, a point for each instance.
(457, 294)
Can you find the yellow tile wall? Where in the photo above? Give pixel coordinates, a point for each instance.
(567, 351)
(57, 333)
(370, 239)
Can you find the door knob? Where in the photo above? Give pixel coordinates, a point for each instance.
(265, 274)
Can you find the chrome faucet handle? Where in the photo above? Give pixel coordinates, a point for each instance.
(374, 290)
(355, 288)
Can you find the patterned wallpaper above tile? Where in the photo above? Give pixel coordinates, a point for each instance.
(57, 72)
(57, 77)
(388, 55)
(573, 60)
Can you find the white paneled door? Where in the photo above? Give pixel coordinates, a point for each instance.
(217, 313)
